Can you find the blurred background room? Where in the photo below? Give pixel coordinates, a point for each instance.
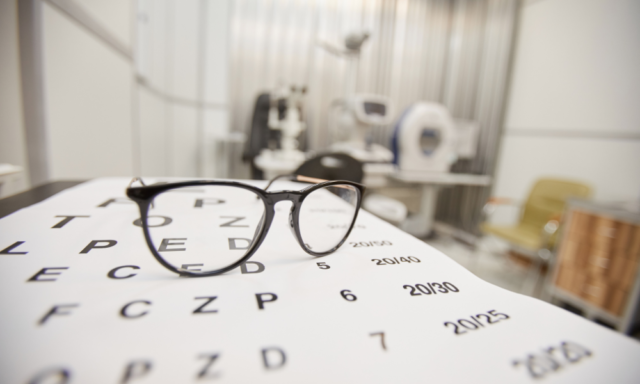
(505, 133)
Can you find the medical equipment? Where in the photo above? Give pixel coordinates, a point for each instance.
(274, 161)
(292, 124)
(427, 139)
(354, 115)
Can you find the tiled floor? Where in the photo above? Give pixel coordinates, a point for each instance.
(488, 262)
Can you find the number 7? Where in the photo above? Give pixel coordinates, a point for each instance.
(384, 347)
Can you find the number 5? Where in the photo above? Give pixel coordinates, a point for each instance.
(492, 312)
(323, 265)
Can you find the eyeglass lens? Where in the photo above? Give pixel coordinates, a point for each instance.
(211, 227)
(326, 215)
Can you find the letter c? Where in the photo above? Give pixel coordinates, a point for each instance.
(112, 273)
(123, 311)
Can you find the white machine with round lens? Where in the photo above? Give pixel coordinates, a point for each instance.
(425, 139)
(426, 142)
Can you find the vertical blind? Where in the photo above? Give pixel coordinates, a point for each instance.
(452, 52)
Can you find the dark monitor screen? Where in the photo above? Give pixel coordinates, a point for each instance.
(371, 108)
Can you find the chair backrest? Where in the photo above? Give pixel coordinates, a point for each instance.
(332, 166)
(548, 197)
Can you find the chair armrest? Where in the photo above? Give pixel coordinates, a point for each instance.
(550, 228)
(494, 202)
(552, 225)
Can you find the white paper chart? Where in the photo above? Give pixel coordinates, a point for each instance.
(84, 301)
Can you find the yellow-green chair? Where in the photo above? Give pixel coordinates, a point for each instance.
(534, 235)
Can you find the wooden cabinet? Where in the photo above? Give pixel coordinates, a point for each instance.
(596, 268)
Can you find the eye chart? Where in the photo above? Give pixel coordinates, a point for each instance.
(84, 301)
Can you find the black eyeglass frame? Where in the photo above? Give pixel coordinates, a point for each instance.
(144, 196)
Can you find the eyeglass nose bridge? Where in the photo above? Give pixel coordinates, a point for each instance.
(292, 196)
(295, 198)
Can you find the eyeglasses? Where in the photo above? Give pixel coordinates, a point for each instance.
(205, 228)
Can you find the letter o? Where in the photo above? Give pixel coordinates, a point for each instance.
(165, 221)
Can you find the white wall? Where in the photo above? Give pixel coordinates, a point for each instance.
(102, 123)
(185, 62)
(88, 95)
(114, 15)
(573, 102)
(12, 141)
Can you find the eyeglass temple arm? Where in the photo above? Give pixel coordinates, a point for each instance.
(313, 180)
(304, 179)
(139, 179)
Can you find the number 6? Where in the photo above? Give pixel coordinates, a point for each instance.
(347, 295)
